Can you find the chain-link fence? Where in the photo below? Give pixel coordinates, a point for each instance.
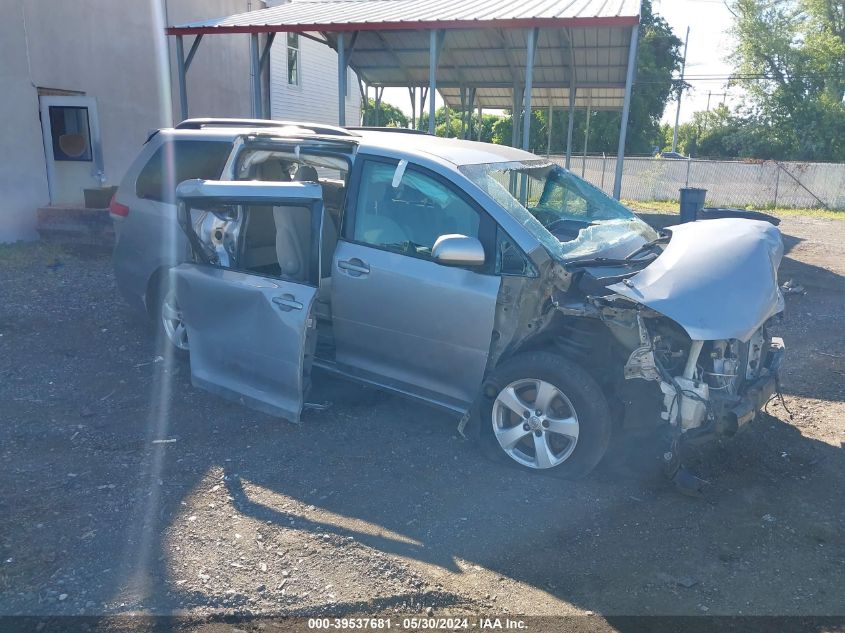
(728, 183)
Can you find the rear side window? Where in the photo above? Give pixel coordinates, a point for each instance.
(176, 161)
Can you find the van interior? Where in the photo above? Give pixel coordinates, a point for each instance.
(278, 241)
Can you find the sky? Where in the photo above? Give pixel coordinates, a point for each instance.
(709, 45)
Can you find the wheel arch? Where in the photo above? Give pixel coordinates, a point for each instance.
(152, 294)
(574, 338)
(585, 393)
(585, 341)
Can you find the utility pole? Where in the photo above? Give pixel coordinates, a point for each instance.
(680, 94)
(724, 96)
(710, 94)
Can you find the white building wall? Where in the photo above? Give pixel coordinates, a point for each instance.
(315, 99)
(219, 77)
(23, 173)
(105, 49)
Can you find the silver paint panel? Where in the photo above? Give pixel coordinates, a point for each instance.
(716, 278)
(244, 345)
(255, 191)
(418, 322)
(458, 250)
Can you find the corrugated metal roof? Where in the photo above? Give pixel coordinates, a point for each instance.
(493, 60)
(502, 98)
(319, 15)
(584, 43)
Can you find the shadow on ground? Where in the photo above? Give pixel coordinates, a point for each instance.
(109, 453)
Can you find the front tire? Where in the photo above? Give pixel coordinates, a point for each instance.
(544, 413)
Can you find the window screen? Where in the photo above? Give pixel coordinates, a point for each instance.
(70, 133)
(293, 59)
(176, 161)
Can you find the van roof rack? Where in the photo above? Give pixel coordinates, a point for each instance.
(399, 130)
(316, 128)
(268, 135)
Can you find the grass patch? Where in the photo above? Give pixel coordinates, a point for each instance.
(671, 207)
(19, 254)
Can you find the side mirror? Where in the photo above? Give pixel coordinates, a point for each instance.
(458, 250)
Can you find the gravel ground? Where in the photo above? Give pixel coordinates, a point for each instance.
(125, 490)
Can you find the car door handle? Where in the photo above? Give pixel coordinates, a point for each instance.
(287, 303)
(354, 266)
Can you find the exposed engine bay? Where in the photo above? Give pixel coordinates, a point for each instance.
(704, 382)
(704, 386)
(625, 326)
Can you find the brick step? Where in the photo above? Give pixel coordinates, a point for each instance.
(67, 224)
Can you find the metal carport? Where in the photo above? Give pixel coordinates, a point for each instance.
(475, 53)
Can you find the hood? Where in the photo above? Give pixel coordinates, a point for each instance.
(716, 278)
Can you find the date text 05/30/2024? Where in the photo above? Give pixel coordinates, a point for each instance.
(418, 624)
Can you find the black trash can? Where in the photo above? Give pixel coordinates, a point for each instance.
(692, 201)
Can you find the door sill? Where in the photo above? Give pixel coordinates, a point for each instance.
(394, 386)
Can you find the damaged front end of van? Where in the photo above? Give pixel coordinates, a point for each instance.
(684, 341)
(675, 326)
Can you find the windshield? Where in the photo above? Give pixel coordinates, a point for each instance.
(569, 216)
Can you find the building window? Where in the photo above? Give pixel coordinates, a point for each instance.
(293, 59)
(70, 133)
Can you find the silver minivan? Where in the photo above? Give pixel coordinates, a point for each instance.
(478, 278)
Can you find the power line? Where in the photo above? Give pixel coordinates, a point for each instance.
(747, 77)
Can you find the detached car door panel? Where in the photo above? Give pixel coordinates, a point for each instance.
(251, 332)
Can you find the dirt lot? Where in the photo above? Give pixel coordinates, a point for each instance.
(126, 490)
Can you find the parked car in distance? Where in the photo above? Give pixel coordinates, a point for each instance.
(474, 277)
(674, 155)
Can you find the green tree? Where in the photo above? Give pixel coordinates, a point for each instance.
(723, 134)
(388, 115)
(502, 129)
(790, 59)
(489, 121)
(658, 58)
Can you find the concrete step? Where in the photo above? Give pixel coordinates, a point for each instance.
(68, 224)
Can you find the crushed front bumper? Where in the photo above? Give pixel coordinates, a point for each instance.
(755, 394)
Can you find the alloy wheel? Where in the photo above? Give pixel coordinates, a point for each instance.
(171, 319)
(535, 423)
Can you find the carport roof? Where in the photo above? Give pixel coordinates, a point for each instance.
(359, 15)
(581, 43)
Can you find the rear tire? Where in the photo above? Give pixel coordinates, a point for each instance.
(544, 413)
(170, 331)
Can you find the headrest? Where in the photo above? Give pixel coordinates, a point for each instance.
(271, 170)
(306, 173)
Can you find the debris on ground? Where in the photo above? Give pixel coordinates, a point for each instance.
(792, 288)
